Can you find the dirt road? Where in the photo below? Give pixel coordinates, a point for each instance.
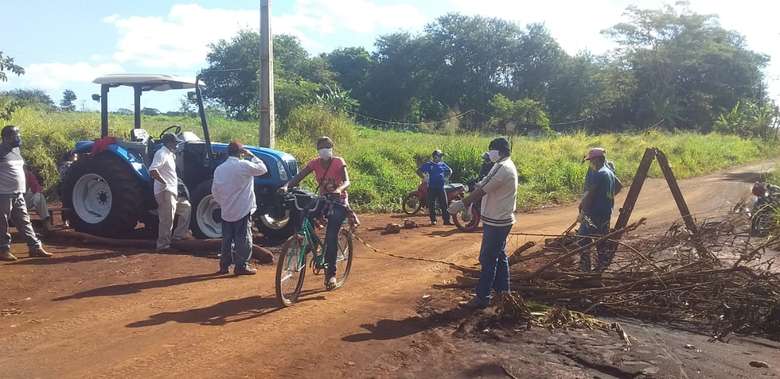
(88, 313)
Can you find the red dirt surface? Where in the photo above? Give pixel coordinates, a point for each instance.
(134, 313)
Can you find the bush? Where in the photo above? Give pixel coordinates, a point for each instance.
(383, 165)
(309, 122)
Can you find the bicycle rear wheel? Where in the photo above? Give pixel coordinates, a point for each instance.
(344, 257)
(290, 271)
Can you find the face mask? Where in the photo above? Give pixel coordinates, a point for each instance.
(437, 159)
(494, 155)
(325, 153)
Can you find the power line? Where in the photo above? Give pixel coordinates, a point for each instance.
(457, 116)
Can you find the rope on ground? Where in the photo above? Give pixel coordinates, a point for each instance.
(393, 255)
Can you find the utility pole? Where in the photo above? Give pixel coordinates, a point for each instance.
(267, 138)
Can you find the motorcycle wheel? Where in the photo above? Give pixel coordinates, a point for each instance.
(411, 204)
(468, 219)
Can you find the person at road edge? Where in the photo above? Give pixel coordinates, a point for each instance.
(498, 192)
(437, 172)
(233, 189)
(12, 204)
(332, 178)
(596, 209)
(166, 192)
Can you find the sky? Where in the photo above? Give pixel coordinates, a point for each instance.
(67, 44)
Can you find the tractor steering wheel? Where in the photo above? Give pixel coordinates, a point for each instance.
(176, 130)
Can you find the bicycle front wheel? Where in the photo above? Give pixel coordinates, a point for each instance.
(290, 271)
(344, 257)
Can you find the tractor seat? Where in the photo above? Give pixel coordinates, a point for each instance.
(138, 144)
(453, 186)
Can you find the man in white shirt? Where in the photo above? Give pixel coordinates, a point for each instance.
(233, 189)
(498, 191)
(166, 192)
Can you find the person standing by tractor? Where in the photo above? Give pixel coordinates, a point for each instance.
(35, 197)
(12, 204)
(487, 165)
(166, 192)
(498, 193)
(596, 209)
(437, 172)
(233, 189)
(332, 178)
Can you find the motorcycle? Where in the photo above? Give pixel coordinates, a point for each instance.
(765, 208)
(468, 219)
(418, 199)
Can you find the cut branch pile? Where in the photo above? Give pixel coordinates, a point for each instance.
(668, 279)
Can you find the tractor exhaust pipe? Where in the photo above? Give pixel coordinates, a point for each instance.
(203, 122)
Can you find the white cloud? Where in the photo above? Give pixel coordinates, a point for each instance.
(181, 38)
(54, 76)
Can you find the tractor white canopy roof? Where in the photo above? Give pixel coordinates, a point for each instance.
(149, 82)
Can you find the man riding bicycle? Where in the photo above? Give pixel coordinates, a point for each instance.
(332, 179)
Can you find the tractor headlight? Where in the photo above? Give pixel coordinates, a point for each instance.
(282, 171)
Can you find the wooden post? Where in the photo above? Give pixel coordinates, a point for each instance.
(690, 223)
(636, 187)
(677, 193)
(267, 138)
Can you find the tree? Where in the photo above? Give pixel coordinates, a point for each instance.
(232, 76)
(7, 65)
(68, 97)
(524, 116)
(687, 68)
(30, 97)
(351, 65)
(187, 106)
(150, 111)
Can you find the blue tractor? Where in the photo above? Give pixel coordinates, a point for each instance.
(108, 191)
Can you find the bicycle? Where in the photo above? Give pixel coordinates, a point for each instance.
(294, 257)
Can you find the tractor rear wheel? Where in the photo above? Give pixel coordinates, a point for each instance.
(103, 196)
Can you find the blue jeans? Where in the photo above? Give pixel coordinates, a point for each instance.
(236, 243)
(492, 258)
(595, 227)
(336, 216)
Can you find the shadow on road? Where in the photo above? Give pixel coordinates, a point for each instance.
(131, 288)
(445, 233)
(391, 329)
(58, 259)
(219, 314)
(747, 177)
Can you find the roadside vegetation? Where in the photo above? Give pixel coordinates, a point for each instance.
(677, 80)
(383, 163)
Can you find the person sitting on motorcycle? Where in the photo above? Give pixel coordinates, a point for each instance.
(437, 172)
(487, 165)
(330, 172)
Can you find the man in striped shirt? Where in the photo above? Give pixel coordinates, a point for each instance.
(498, 191)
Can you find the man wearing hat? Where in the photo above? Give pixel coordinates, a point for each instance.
(498, 192)
(437, 172)
(596, 208)
(166, 192)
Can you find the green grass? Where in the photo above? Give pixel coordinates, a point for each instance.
(382, 164)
